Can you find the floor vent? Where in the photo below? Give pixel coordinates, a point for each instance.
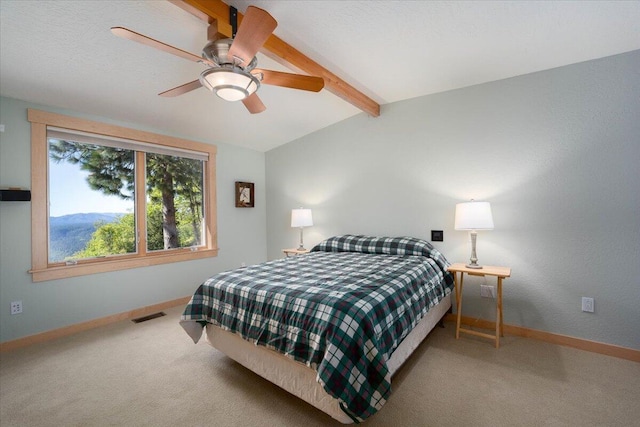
(149, 317)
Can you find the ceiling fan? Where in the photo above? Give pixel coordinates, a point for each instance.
(231, 62)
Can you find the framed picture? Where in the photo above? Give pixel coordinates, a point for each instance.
(244, 194)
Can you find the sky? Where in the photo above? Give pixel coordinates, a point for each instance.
(69, 193)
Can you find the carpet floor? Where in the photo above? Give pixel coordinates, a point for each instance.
(151, 374)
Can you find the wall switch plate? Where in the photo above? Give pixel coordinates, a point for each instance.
(16, 307)
(487, 291)
(587, 304)
(437, 235)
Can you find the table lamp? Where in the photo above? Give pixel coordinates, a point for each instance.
(301, 218)
(473, 216)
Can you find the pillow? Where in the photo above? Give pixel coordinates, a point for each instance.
(382, 245)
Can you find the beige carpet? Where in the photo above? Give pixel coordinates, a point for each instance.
(151, 374)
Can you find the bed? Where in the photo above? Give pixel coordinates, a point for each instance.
(331, 326)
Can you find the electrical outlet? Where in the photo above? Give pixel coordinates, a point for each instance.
(587, 304)
(16, 307)
(487, 291)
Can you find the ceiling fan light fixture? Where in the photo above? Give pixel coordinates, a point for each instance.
(229, 83)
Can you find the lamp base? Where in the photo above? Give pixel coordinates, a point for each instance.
(474, 257)
(301, 248)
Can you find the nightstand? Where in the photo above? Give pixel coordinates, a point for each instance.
(292, 252)
(459, 270)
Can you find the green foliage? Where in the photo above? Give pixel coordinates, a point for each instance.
(119, 237)
(188, 221)
(155, 236)
(111, 239)
(168, 179)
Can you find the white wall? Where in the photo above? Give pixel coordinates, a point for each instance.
(54, 304)
(557, 153)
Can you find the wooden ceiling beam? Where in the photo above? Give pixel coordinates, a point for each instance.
(281, 52)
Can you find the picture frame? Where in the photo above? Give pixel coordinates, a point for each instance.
(245, 194)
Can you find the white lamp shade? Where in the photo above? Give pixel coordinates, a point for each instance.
(301, 218)
(473, 216)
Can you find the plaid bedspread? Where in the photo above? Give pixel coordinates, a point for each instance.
(342, 309)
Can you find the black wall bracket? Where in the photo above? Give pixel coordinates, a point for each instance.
(14, 195)
(233, 20)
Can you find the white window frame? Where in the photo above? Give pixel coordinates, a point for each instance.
(41, 268)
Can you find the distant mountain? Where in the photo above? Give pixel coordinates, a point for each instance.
(83, 218)
(69, 234)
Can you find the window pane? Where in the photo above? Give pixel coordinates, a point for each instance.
(174, 202)
(91, 207)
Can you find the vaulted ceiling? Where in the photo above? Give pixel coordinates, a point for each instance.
(61, 53)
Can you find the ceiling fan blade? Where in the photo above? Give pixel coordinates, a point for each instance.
(256, 27)
(254, 104)
(141, 38)
(290, 80)
(182, 89)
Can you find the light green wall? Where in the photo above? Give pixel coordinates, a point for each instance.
(54, 304)
(557, 153)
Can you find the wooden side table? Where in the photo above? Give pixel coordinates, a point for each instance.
(459, 270)
(293, 252)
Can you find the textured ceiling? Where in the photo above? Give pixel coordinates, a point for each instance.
(61, 53)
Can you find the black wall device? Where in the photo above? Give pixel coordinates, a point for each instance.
(437, 235)
(14, 195)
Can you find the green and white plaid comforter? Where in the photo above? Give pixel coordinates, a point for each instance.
(342, 309)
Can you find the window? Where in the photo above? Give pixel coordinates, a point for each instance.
(108, 198)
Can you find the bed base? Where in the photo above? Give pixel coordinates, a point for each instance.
(299, 379)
